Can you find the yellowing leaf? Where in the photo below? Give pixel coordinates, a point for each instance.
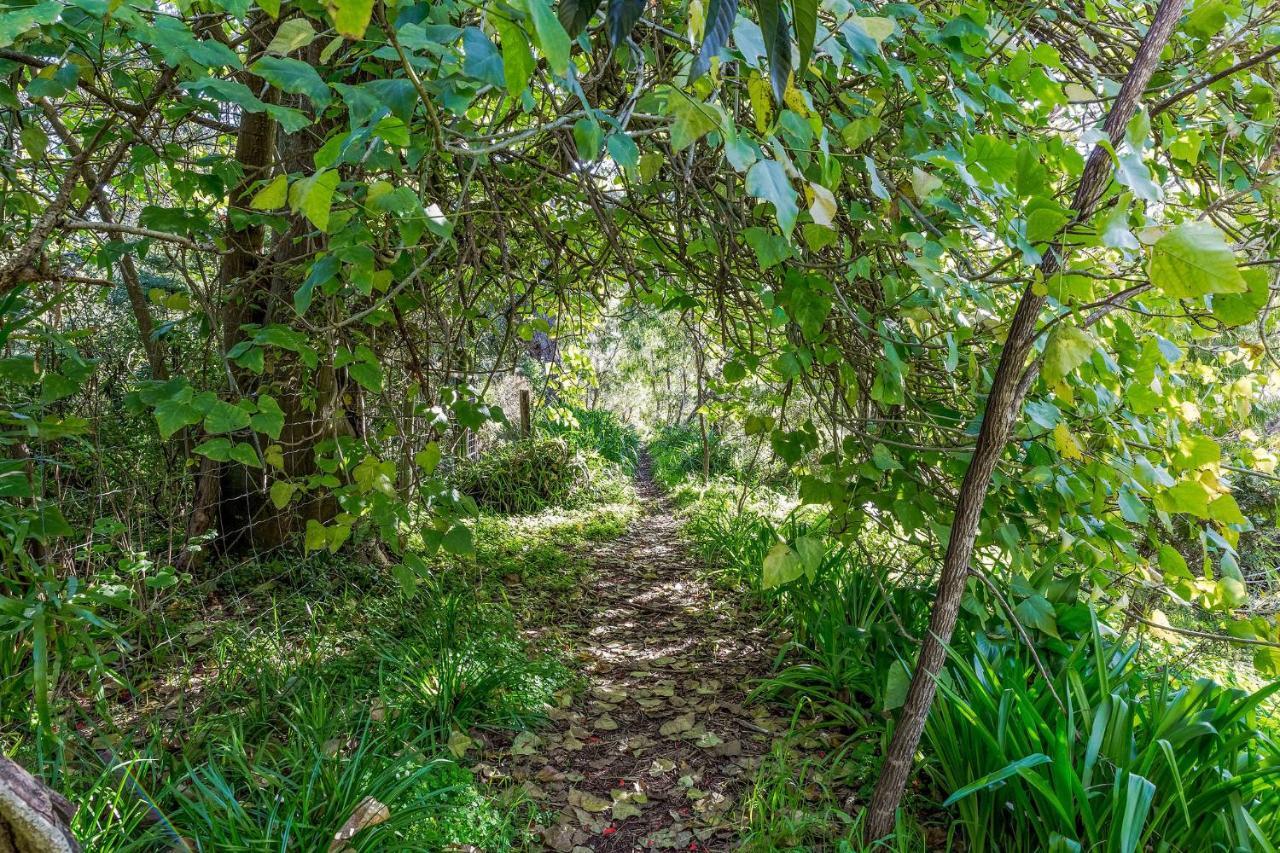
(350, 17)
(1067, 349)
(823, 206)
(1194, 259)
(271, 196)
(1066, 443)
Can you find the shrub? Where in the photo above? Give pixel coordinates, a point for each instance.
(524, 476)
(598, 430)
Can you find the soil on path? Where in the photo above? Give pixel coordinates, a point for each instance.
(659, 749)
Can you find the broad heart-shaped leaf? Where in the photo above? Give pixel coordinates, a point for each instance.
(273, 195)
(313, 197)
(693, 119)
(781, 565)
(225, 417)
(806, 20)
(291, 35)
(551, 36)
(294, 77)
(777, 44)
(767, 181)
(622, 16)
(720, 17)
(1237, 309)
(1188, 496)
(482, 60)
(1068, 348)
(368, 374)
(350, 17)
(1194, 259)
(574, 15)
(269, 418)
(1037, 612)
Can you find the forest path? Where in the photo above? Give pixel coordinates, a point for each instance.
(658, 750)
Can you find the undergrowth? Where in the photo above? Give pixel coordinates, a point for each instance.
(1114, 751)
(311, 684)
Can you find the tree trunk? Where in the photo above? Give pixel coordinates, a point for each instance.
(34, 818)
(255, 147)
(1003, 406)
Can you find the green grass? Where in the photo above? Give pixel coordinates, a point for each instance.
(262, 716)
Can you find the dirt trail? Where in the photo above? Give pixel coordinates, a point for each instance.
(659, 749)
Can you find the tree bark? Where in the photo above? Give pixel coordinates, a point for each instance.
(1004, 402)
(255, 147)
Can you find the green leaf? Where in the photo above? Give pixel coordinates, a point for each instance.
(1195, 451)
(806, 22)
(18, 22)
(588, 136)
(225, 417)
(34, 140)
(313, 197)
(693, 119)
(621, 17)
(350, 17)
(217, 449)
(482, 60)
(767, 181)
(1224, 509)
(996, 777)
(1187, 496)
(292, 34)
(294, 77)
(174, 414)
(458, 540)
(781, 565)
(574, 15)
(428, 457)
(777, 44)
(368, 374)
(316, 536)
(269, 418)
(720, 18)
(1192, 260)
(244, 453)
(273, 195)
(282, 493)
(1067, 349)
(1037, 611)
(1237, 309)
(551, 36)
(1172, 562)
(517, 58)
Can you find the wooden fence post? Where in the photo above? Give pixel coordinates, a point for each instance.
(526, 422)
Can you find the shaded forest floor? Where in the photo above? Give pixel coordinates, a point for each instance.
(658, 748)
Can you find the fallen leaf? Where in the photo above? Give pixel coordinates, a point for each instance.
(525, 743)
(587, 801)
(369, 812)
(677, 725)
(459, 743)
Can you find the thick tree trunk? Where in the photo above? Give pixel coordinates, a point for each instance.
(34, 818)
(1003, 406)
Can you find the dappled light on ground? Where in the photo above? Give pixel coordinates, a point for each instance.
(659, 748)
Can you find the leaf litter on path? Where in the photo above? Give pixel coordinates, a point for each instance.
(657, 750)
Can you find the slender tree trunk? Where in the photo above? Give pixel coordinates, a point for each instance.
(255, 147)
(1003, 406)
